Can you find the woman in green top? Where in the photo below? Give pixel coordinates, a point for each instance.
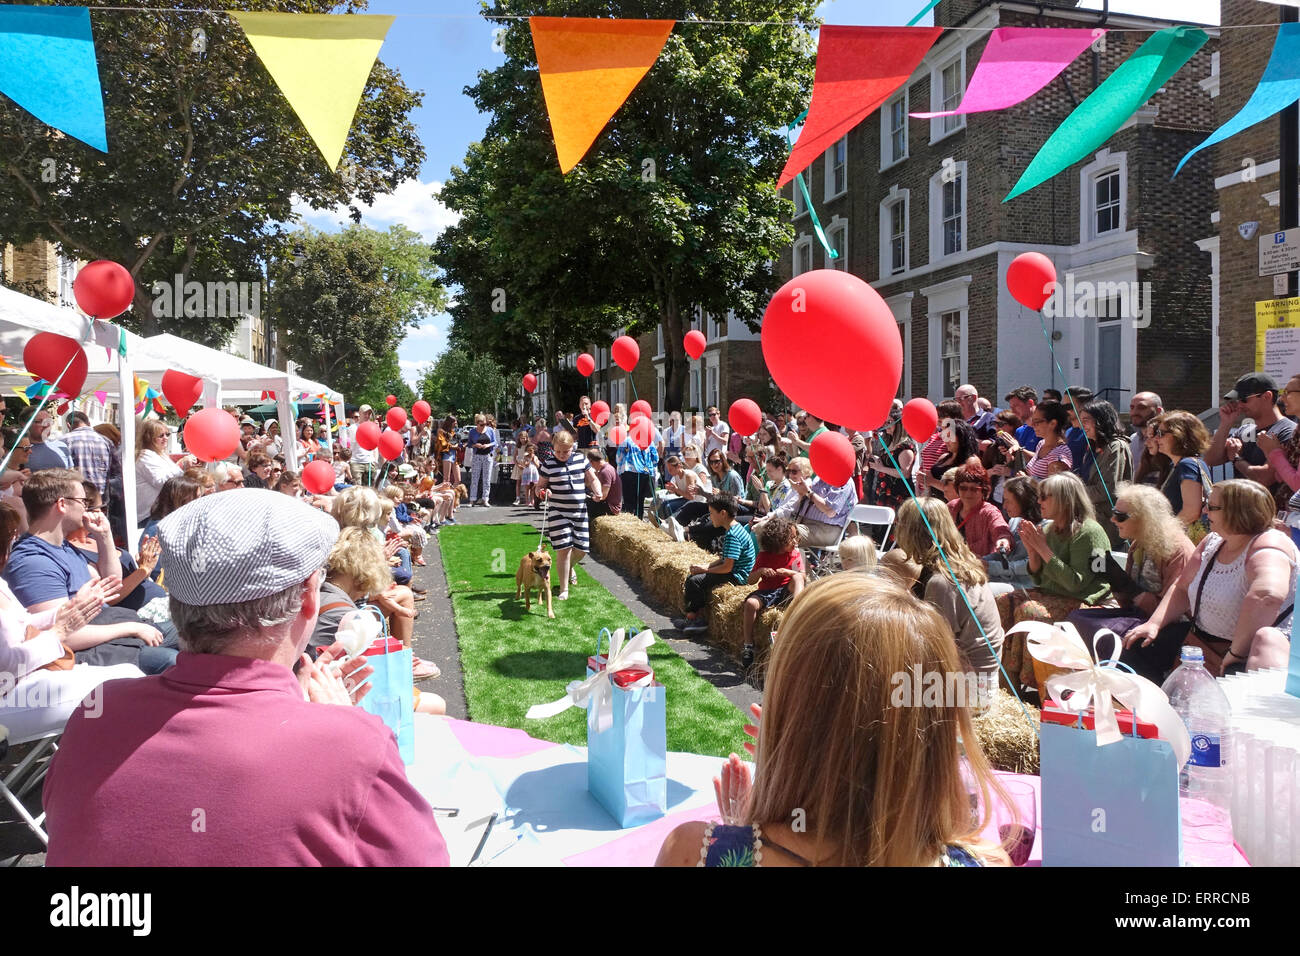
(1067, 562)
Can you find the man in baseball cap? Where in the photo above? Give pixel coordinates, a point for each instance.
(1255, 398)
(232, 760)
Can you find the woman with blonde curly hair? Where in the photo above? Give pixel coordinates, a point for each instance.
(847, 773)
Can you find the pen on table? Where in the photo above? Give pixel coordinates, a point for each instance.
(486, 830)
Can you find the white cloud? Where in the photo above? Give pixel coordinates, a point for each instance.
(413, 204)
(423, 332)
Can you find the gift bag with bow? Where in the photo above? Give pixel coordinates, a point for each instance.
(364, 632)
(1109, 796)
(627, 728)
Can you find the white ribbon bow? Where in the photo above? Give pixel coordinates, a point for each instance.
(1095, 682)
(600, 685)
(357, 630)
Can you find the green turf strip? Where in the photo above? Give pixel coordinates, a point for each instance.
(512, 659)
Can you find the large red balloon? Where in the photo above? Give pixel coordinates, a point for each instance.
(396, 417)
(599, 413)
(832, 457)
(586, 365)
(640, 405)
(421, 411)
(212, 434)
(391, 400)
(368, 435)
(626, 352)
(48, 354)
(852, 379)
(318, 477)
(745, 416)
(530, 383)
(103, 289)
(181, 390)
(920, 418)
(695, 343)
(642, 432)
(391, 444)
(1031, 277)
(617, 435)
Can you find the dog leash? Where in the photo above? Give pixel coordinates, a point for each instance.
(546, 505)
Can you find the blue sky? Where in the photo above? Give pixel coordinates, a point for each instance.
(440, 54)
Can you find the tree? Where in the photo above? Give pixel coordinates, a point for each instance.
(342, 312)
(465, 384)
(678, 195)
(205, 157)
(385, 380)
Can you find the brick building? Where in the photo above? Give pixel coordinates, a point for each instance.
(915, 208)
(38, 269)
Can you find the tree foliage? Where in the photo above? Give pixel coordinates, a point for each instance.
(463, 383)
(205, 160)
(385, 380)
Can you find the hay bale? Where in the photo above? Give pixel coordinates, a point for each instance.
(626, 542)
(727, 617)
(667, 567)
(1009, 742)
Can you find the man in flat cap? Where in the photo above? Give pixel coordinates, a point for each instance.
(229, 759)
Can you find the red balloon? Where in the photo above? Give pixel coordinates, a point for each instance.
(318, 477)
(368, 435)
(920, 418)
(391, 400)
(586, 365)
(181, 390)
(47, 354)
(391, 444)
(642, 432)
(530, 383)
(626, 352)
(103, 289)
(695, 343)
(1031, 278)
(617, 435)
(421, 412)
(599, 413)
(745, 416)
(640, 405)
(212, 434)
(396, 418)
(852, 382)
(832, 457)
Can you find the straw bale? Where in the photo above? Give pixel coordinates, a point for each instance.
(667, 567)
(1009, 741)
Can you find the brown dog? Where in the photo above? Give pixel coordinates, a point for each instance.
(534, 572)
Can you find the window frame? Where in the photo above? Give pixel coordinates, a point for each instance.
(939, 125)
(802, 243)
(887, 156)
(837, 225)
(828, 186)
(936, 212)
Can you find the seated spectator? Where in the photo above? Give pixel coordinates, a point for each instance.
(776, 491)
(177, 491)
(45, 569)
(137, 590)
(960, 445)
(778, 572)
(153, 465)
(402, 524)
(1159, 550)
(724, 479)
(1183, 438)
(683, 483)
(937, 588)
(1153, 467)
(46, 451)
(858, 553)
(1237, 591)
(259, 470)
(887, 485)
(821, 510)
(978, 520)
(691, 459)
(309, 784)
(289, 484)
(1112, 460)
(1020, 502)
(735, 560)
(830, 723)
(948, 485)
(228, 475)
(1052, 455)
(609, 500)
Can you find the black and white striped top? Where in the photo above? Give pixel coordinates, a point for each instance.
(566, 481)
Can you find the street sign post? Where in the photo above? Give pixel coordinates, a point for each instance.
(1279, 251)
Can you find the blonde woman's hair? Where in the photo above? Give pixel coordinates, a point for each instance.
(834, 742)
(359, 555)
(858, 553)
(914, 538)
(148, 434)
(357, 508)
(1158, 532)
(563, 437)
(386, 509)
(1248, 507)
(1072, 505)
(395, 492)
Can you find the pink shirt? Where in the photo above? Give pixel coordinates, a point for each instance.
(221, 762)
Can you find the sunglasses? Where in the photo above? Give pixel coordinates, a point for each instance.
(978, 488)
(234, 481)
(1214, 507)
(1121, 515)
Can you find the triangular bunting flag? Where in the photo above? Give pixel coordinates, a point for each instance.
(22, 394)
(1016, 64)
(321, 63)
(589, 67)
(158, 407)
(1278, 88)
(1111, 104)
(101, 397)
(38, 387)
(857, 70)
(48, 67)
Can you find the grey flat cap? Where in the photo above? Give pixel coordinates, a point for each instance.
(237, 546)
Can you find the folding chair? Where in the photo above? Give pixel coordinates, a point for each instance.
(874, 515)
(819, 558)
(23, 777)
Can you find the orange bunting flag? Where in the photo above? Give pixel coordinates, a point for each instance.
(589, 67)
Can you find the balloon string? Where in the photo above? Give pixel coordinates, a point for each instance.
(960, 590)
(18, 440)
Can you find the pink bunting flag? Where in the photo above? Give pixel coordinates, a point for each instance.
(1017, 63)
(102, 397)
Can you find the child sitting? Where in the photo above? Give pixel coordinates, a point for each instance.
(735, 562)
(778, 572)
(401, 523)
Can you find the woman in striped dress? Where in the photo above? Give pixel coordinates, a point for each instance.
(565, 477)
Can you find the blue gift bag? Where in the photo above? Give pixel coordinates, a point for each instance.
(1293, 669)
(1115, 805)
(392, 692)
(627, 762)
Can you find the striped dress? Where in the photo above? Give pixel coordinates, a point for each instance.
(566, 516)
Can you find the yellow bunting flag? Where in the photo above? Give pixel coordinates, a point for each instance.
(589, 67)
(321, 63)
(23, 395)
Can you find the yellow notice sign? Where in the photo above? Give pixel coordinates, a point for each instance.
(1273, 314)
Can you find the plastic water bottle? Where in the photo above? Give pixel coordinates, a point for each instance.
(1197, 698)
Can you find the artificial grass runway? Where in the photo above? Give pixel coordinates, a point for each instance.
(513, 659)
